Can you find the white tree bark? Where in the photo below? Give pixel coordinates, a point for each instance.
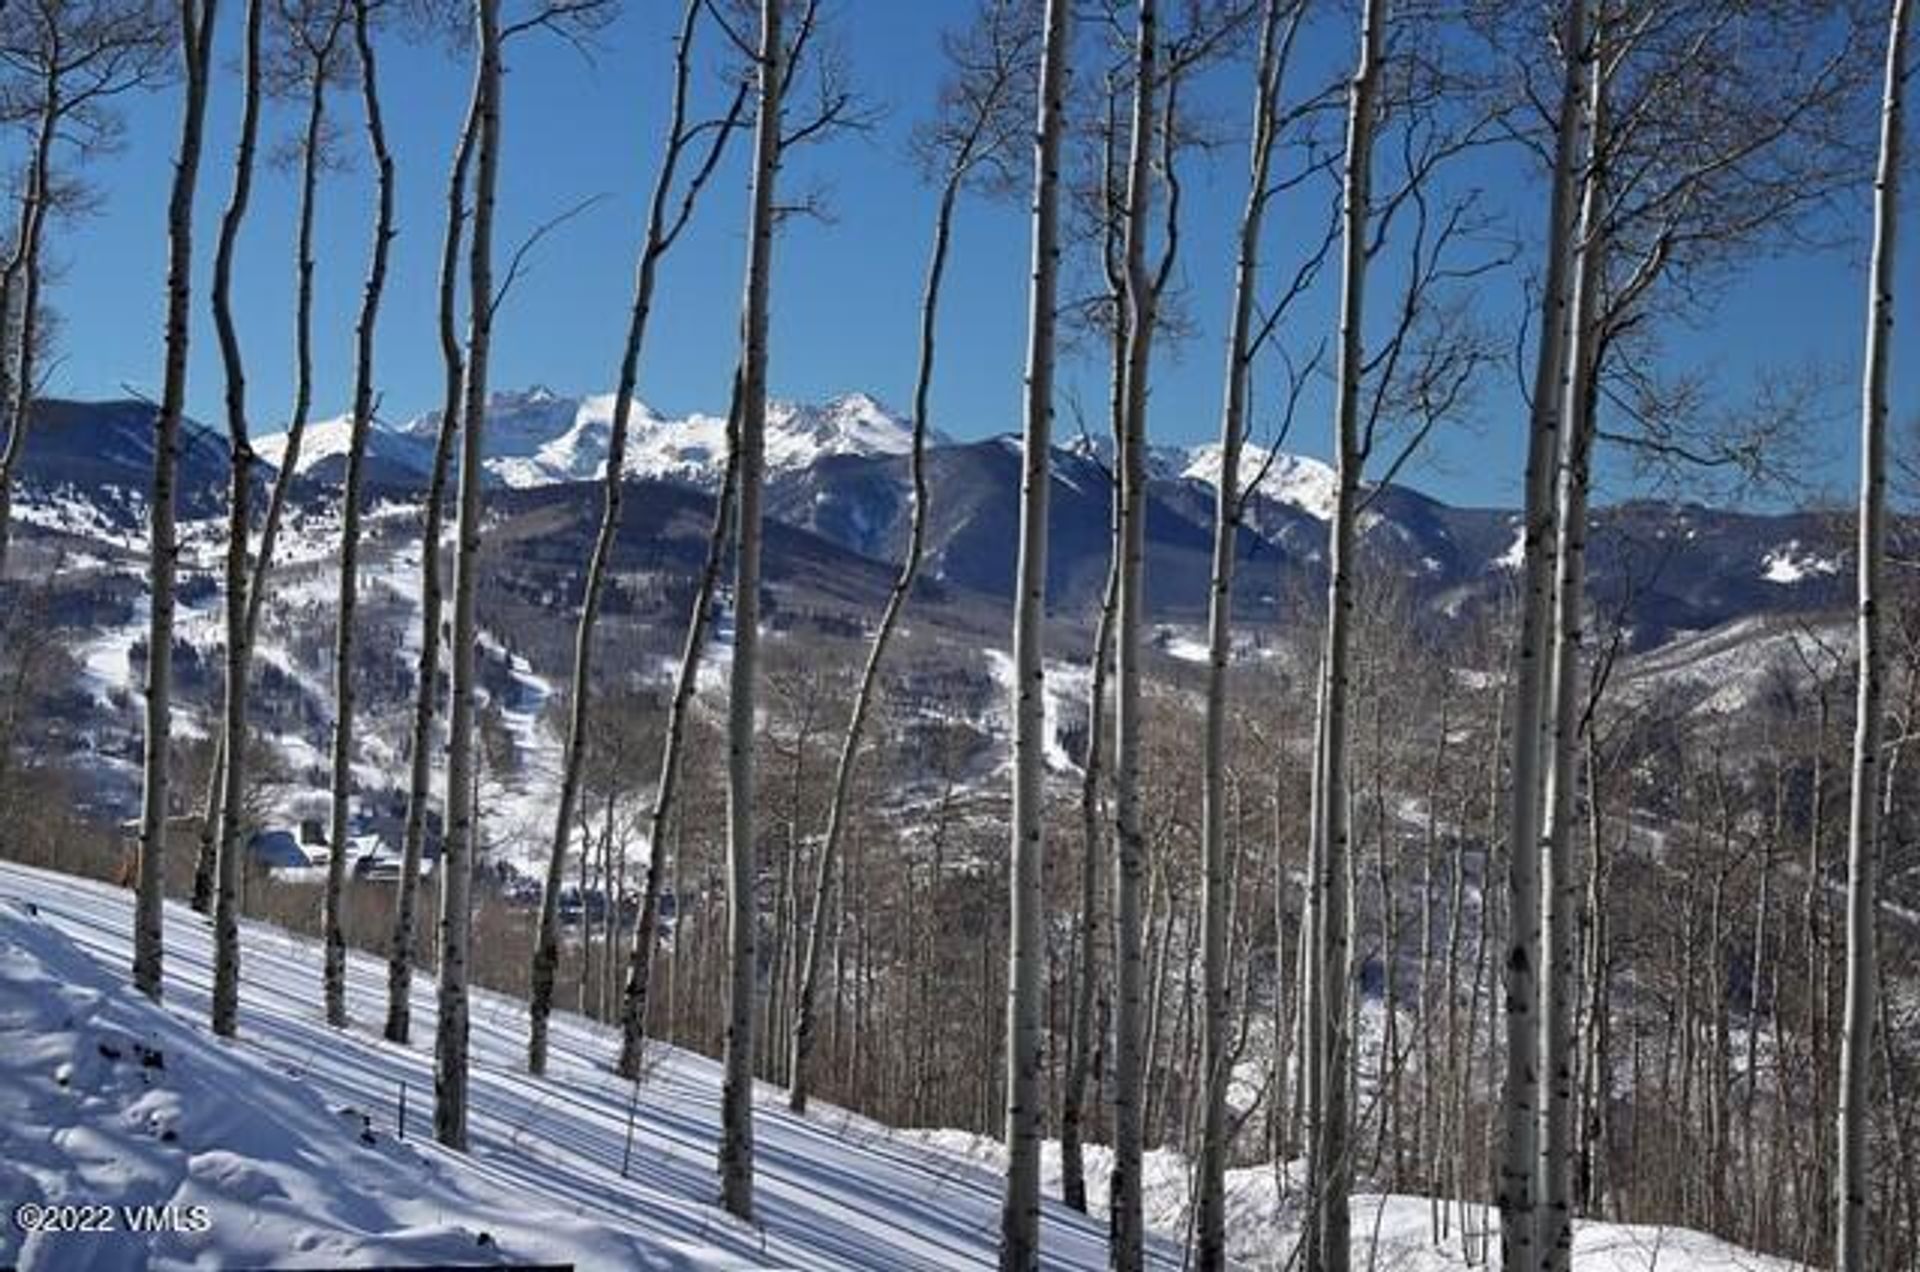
(456, 858)
(1210, 1237)
(196, 45)
(229, 848)
(1025, 1109)
(1126, 1225)
(663, 227)
(1559, 883)
(805, 1022)
(1331, 832)
(1086, 1037)
(23, 271)
(1853, 1183)
(334, 975)
(633, 1002)
(969, 143)
(1520, 1097)
(427, 673)
(287, 472)
(736, 1105)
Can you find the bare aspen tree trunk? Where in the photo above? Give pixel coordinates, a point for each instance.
(196, 46)
(1597, 1061)
(1211, 1236)
(664, 223)
(456, 858)
(1756, 1005)
(978, 93)
(1559, 884)
(1082, 1043)
(23, 270)
(226, 909)
(1125, 1223)
(1520, 1098)
(1331, 829)
(633, 999)
(427, 673)
(1025, 1111)
(1817, 1022)
(287, 472)
(1428, 1152)
(1853, 1182)
(1082, 1040)
(334, 975)
(805, 1023)
(1314, 1012)
(736, 1109)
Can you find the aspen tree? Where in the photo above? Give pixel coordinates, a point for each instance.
(196, 49)
(1020, 1216)
(1852, 1184)
(1228, 500)
(736, 1107)
(634, 995)
(334, 975)
(426, 688)
(226, 899)
(1519, 1098)
(1331, 1152)
(70, 63)
(666, 218)
(975, 136)
(315, 53)
(462, 829)
(1559, 885)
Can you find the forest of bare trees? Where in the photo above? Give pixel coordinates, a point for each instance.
(1455, 909)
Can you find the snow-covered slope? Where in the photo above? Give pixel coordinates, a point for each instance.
(283, 1147)
(694, 448)
(1306, 484)
(288, 1138)
(1391, 1233)
(323, 450)
(1283, 477)
(536, 437)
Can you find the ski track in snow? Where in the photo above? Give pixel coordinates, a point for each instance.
(1066, 685)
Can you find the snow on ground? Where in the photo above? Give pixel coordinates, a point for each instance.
(1515, 557)
(520, 803)
(1189, 645)
(1737, 659)
(269, 1134)
(1067, 686)
(1391, 1233)
(110, 1102)
(1186, 647)
(1790, 563)
(1307, 484)
(106, 658)
(66, 509)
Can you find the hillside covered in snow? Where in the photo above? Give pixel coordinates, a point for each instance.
(298, 1146)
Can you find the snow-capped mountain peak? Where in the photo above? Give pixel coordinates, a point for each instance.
(798, 433)
(1305, 483)
(537, 437)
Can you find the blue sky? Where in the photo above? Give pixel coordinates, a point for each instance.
(846, 290)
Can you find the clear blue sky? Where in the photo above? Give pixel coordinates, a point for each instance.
(846, 291)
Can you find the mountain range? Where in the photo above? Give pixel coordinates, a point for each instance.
(837, 474)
